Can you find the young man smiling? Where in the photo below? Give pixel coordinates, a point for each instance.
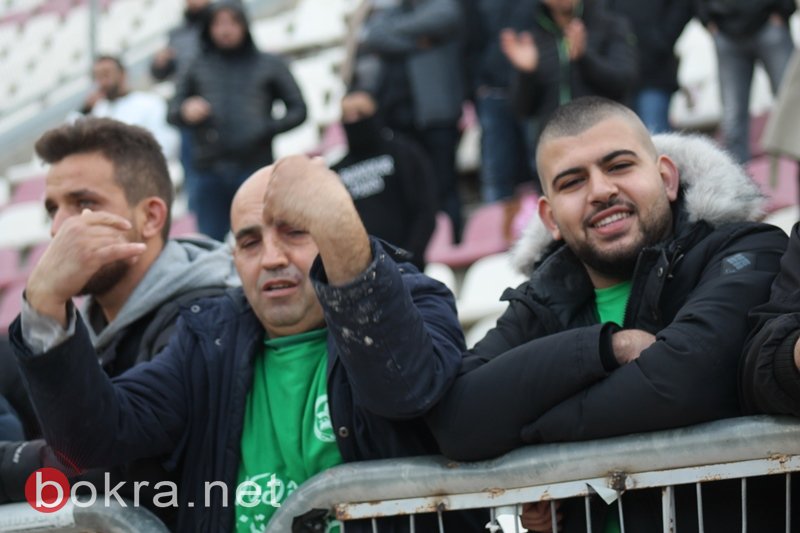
(633, 319)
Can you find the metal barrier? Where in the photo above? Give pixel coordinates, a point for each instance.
(727, 449)
(101, 517)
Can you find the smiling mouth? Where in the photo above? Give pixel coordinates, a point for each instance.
(611, 219)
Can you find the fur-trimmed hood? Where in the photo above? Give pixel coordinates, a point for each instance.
(715, 189)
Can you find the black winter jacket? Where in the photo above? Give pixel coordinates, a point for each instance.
(190, 401)
(769, 379)
(657, 26)
(241, 86)
(608, 68)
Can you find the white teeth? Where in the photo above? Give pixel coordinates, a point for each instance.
(613, 218)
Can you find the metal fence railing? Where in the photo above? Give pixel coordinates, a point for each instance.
(728, 449)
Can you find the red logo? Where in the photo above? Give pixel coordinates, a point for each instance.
(47, 490)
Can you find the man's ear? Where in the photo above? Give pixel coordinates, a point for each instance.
(670, 176)
(152, 212)
(546, 215)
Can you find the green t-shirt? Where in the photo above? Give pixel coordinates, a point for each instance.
(611, 302)
(287, 435)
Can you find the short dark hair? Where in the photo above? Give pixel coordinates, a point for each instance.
(140, 168)
(113, 59)
(581, 114)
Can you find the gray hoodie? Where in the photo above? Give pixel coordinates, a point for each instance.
(183, 265)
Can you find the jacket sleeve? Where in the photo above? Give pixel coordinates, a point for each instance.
(184, 88)
(614, 69)
(435, 20)
(397, 335)
(661, 40)
(419, 198)
(510, 378)
(285, 89)
(769, 381)
(688, 375)
(91, 421)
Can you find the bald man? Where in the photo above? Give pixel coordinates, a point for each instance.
(330, 352)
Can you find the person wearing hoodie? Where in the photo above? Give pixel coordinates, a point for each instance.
(104, 166)
(570, 48)
(171, 62)
(226, 99)
(643, 264)
(389, 178)
(183, 43)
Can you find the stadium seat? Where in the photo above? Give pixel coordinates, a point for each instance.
(24, 224)
(31, 190)
(483, 235)
(484, 282)
(443, 273)
(784, 218)
(781, 189)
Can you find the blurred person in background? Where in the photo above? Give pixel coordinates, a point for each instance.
(390, 179)
(183, 43)
(657, 25)
(112, 97)
(410, 60)
(171, 62)
(746, 31)
(570, 48)
(226, 99)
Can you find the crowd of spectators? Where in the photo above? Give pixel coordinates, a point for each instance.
(655, 299)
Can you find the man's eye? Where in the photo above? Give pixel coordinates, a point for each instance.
(619, 166)
(86, 204)
(570, 183)
(249, 243)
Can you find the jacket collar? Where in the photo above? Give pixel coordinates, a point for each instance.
(714, 190)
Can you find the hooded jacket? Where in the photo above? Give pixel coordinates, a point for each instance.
(541, 375)
(241, 86)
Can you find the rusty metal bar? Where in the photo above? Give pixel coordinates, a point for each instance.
(553, 518)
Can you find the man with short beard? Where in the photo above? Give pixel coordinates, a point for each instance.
(102, 168)
(112, 97)
(642, 273)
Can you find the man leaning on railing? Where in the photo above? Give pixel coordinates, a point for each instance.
(770, 371)
(633, 319)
